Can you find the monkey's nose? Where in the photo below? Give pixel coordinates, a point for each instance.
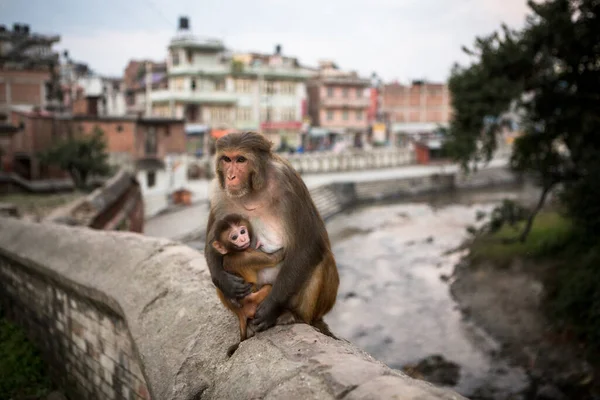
(231, 177)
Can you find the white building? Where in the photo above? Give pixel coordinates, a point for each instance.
(221, 90)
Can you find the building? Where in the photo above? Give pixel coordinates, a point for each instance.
(153, 148)
(217, 91)
(338, 105)
(28, 69)
(109, 92)
(139, 78)
(416, 109)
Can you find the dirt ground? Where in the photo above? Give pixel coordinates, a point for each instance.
(37, 206)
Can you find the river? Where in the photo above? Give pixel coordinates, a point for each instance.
(394, 300)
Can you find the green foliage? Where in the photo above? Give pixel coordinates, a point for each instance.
(80, 156)
(550, 233)
(22, 371)
(575, 298)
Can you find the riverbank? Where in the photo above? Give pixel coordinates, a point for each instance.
(519, 292)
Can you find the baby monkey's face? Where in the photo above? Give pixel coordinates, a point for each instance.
(239, 237)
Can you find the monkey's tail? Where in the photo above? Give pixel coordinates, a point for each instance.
(324, 328)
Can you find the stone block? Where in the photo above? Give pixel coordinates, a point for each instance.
(107, 364)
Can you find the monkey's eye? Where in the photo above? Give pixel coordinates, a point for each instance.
(234, 237)
(243, 231)
(241, 159)
(226, 159)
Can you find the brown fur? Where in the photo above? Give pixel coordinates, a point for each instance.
(308, 280)
(245, 263)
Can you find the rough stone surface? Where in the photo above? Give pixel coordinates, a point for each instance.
(162, 295)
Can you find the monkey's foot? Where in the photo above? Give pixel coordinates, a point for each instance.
(286, 318)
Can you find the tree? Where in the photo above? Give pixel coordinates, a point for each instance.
(80, 157)
(547, 76)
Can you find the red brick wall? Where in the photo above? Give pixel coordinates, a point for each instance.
(25, 86)
(416, 103)
(119, 134)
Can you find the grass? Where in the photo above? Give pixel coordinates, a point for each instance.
(23, 374)
(550, 233)
(39, 205)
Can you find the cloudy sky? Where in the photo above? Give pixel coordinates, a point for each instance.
(398, 39)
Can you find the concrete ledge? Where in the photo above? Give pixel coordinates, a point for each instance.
(181, 332)
(84, 210)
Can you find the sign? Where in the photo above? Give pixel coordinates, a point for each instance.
(281, 125)
(379, 132)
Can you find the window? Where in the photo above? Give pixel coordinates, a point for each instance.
(345, 92)
(175, 58)
(329, 115)
(287, 88)
(119, 128)
(190, 56)
(193, 85)
(220, 114)
(359, 93)
(243, 85)
(269, 87)
(359, 115)
(288, 114)
(345, 115)
(220, 85)
(150, 178)
(177, 83)
(150, 144)
(244, 114)
(329, 92)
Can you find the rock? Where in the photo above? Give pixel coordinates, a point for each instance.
(56, 396)
(429, 239)
(444, 277)
(9, 210)
(350, 295)
(549, 392)
(435, 369)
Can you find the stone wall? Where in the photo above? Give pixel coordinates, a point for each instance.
(86, 343)
(116, 205)
(113, 310)
(336, 197)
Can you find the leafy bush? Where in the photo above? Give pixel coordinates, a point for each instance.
(575, 297)
(23, 374)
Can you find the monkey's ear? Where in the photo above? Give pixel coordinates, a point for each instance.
(218, 246)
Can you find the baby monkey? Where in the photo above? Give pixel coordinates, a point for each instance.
(234, 239)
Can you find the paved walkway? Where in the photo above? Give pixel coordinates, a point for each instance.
(179, 225)
(183, 224)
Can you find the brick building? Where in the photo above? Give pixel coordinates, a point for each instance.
(28, 69)
(415, 109)
(143, 143)
(338, 105)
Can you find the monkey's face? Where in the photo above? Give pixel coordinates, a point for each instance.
(236, 169)
(239, 237)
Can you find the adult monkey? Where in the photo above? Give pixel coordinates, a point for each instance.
(254, 181)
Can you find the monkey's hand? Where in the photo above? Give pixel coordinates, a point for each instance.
(266, 315)
(232, 286)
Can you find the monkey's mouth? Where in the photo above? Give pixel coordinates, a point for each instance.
(244, 246)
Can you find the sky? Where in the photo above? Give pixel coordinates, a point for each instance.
(398, 39)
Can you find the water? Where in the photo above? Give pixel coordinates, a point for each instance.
(392, 300)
